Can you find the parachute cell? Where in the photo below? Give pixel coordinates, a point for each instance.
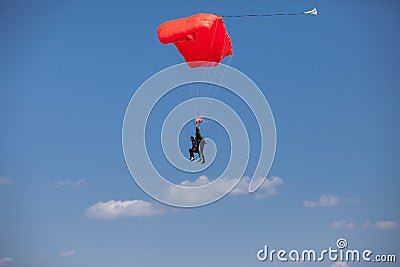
(200, 37)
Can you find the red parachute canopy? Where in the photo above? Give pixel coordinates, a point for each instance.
(200, 37)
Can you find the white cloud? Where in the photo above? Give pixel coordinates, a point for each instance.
(220, 187)
(5, 180)
(70, 183)
(67, 253)
(201, 194)
(267, 189)
(382, 225)
(3, 261)
(326, 201)
(340, 264)
(342, 224)
(114, 209)
(202, 180)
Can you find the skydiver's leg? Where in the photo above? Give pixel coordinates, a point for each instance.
(198, 150)
(202, 143)
(191, 154)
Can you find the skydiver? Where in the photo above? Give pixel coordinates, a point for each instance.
(194, 148)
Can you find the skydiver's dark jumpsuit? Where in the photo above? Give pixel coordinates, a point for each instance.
(194, 148)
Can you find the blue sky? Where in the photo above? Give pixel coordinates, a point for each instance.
(68, 71)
